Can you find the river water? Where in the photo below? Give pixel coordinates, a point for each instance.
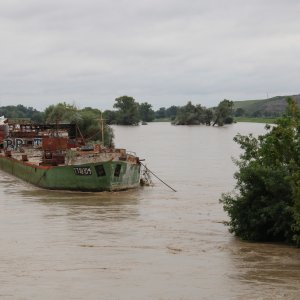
(149, 243)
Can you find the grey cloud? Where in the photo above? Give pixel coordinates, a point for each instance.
(164, 52)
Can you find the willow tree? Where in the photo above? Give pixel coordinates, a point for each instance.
(224, 113)
(127, 111)
(146, 112)
(190, 114)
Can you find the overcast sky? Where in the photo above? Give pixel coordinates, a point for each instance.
(164, 52)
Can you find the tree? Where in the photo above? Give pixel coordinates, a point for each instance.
(61, 112)
(196, 114)
(266, 204)
(223, 113)
(171, 112)
(161, 113)
(110, 117)
(88, 121)
(239, 112)
(188, 115)
(193, 115)
(90, 126)
(208, 116)
(127, 111)
(146, 112)
(20, 111)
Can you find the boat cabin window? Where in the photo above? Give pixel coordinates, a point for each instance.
(117, 170)
(100, 170)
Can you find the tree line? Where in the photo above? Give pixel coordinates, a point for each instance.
(127, 111)
(23, 112)
(130, 112)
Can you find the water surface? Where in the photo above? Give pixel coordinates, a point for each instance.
(149, 243)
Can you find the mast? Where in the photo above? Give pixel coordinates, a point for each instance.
(102, 129)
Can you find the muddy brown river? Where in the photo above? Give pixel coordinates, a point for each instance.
(149, 243)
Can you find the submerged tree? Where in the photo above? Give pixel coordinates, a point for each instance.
(127, 111)
(190, 114)
(266, 205)
(224, 113)
(146, 112)
(187, 115)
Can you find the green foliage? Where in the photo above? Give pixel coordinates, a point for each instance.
(266, 206)
(88, 121)
(127, 111)
(196, 114)
(239, 112)
(190, 114)
(193, 115)
(161, 113)
(20, 111)
(110, 117)
(61, 112)
(171, 112)
(146, 112)
(223, 113)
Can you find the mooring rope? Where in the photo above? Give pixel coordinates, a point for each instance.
(158, 178)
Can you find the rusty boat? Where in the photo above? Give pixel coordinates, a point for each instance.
(51, 156)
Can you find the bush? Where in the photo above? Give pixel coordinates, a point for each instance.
(266, 203)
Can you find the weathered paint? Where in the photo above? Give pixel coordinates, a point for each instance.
(13, 143)
(69, 178)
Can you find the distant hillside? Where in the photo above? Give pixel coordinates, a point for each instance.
(271, 107)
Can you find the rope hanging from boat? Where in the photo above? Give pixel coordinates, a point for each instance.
(158, 177)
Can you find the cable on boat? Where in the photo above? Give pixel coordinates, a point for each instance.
(158, 178)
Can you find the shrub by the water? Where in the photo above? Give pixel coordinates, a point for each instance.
(266, 203)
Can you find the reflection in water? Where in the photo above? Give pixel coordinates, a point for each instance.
(149, 243)
(86, 206)
(83, 199)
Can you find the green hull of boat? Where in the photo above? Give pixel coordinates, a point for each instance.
(94, 177)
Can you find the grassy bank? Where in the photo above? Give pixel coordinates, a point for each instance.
(255, 120)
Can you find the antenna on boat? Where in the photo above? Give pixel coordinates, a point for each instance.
(102, 129)
(77, 129)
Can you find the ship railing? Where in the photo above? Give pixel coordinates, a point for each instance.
(131, 153)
